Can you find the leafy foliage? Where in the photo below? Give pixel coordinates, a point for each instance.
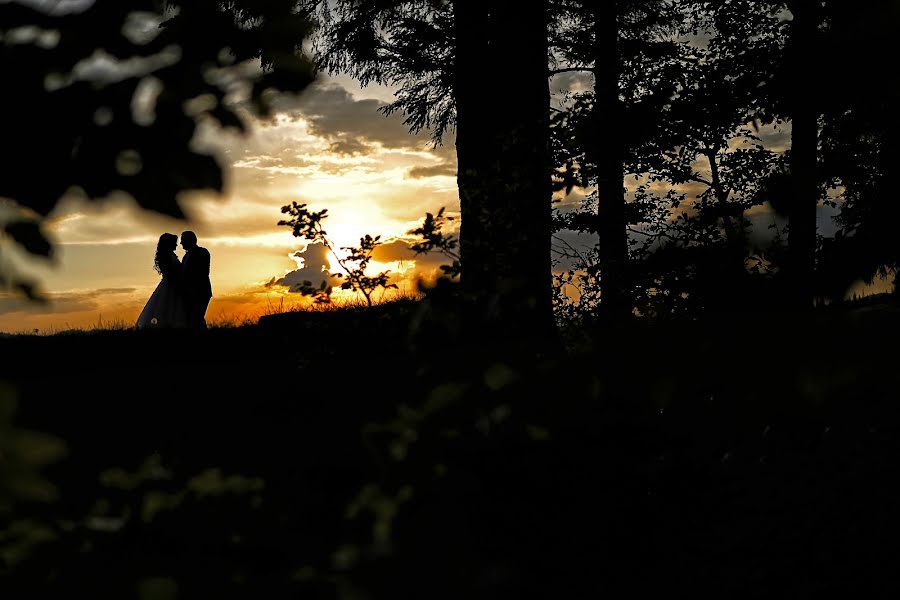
(109, 96)
(307, 224)
(693, 100)
(435, 240)
(405, 44)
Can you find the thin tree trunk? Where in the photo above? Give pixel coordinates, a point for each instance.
(474, 149)
(523, 178)
(804, 149)
(721, 195)
(726, 289)
(607, 154)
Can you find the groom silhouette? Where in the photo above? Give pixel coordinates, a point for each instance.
(195, 271)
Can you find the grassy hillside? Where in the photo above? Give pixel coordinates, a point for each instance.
(373, 454)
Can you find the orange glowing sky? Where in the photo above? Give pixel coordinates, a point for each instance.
(329, 148)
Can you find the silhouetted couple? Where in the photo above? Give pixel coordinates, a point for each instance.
(183, 294)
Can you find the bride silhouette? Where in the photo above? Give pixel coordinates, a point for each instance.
(165, 308)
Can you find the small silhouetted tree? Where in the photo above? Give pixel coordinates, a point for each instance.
(433, 238)
(708, 154)
(307, 224)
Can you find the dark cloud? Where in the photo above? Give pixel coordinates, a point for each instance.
(398, 250)
(351, 125)
(440, 170)
(393, 251)
(762, 221)
(339, 168)
(61, 303)
(776, 138)
(299, 165)
(346, 146)
(313, 273)
(56, 304)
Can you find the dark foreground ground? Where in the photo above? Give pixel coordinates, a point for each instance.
(373, 455)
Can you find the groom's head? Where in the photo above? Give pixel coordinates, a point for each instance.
(188, 240)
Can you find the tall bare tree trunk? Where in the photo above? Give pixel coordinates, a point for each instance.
(474, 146)
(523, 130)
(804, 150)
(607, 152)
(503, 99)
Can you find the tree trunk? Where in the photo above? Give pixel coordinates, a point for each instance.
(503, 99)
(727, 275)
(474, 149)
(804, 150)
(523, 177)
(607, 153)
(721, 195)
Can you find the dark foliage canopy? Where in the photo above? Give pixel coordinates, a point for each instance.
(109, 96)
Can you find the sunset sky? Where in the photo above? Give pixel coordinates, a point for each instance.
(329, 148)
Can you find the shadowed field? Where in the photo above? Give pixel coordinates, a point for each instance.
(335, 453)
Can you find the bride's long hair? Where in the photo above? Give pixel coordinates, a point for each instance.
(164, 248)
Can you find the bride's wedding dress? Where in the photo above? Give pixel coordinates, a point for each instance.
(165, 308)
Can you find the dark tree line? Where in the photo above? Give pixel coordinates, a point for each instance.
(683, 95)
(679, 92)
